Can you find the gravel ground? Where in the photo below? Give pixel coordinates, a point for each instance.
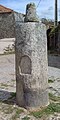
(54, 75)
(8, 87)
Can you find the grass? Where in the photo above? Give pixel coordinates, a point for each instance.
(8, 110)
(54, 98)
(11, 99)
(17, 113)
(43, 112)
(50, 109)
(26, 118)
(13, 94)
(50, 81)
(14, 111)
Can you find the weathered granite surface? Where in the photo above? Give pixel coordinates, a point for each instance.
(31, 64)
(31, 15)
(18, 17)
(7, 24)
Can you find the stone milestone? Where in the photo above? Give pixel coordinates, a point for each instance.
(31, 64)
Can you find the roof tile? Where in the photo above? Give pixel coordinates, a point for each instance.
(3, 9)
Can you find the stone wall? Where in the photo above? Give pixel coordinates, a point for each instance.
(7, 24)
(54, 61)
(53, 38)
(19, 17)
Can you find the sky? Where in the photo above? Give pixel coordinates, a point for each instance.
(44, 10)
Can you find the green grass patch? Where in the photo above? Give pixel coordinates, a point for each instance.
(54, 98)
(50, 109)
(11, 99)
(8, 110)
(50, 81)
(13, 94)
(26, 118)
(17, 113)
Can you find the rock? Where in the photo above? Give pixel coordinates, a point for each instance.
(31, 15)
(31, 65)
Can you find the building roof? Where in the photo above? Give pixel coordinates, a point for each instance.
(4, 9)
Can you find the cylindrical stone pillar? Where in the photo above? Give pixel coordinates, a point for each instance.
(31, 65)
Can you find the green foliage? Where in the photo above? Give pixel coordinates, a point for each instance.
(54, 30)
(13, 94)
(50, 81)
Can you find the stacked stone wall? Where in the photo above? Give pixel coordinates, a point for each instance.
(7, 25)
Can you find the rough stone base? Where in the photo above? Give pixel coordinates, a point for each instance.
(30, 98)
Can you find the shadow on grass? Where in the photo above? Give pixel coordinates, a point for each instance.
(7, 97)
